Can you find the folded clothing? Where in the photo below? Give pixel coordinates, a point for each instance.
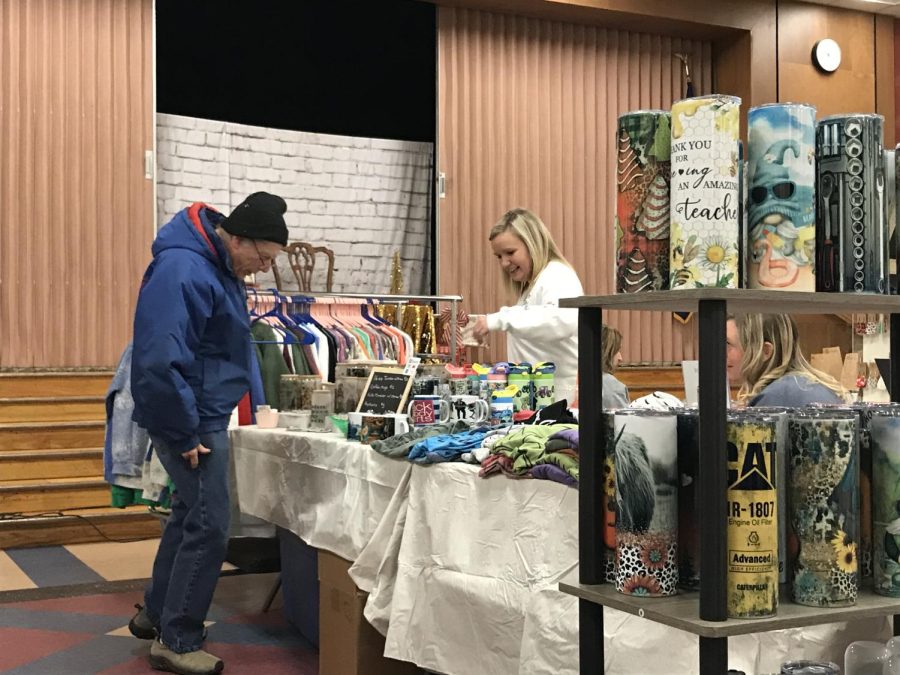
(499, 464)
(567, 438)
(555, 413)
(447, 447)
(553, 472)
(476, 456)
(528, 448)
(400, 445)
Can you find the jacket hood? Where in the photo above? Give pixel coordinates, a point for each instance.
(193, 228)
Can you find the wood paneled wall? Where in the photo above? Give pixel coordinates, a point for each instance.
(527, 117)
(528, 96)
(852, 87)
(76, 212)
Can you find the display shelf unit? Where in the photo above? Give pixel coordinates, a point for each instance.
(703, 613)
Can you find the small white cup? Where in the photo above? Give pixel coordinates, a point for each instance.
(266, 418)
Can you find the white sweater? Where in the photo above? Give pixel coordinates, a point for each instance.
(538, 330)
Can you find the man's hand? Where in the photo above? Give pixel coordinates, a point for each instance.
(193, 456)
(480, 329)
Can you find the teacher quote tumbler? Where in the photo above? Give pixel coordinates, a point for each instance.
(705, 204)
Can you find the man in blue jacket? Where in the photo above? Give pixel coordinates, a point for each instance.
(190, 367)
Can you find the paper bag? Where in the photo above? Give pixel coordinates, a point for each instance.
(850, 371)
(829, 362)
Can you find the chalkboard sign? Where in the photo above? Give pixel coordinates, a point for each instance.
(385, 392)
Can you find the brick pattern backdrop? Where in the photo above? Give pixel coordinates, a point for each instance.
(364, 198)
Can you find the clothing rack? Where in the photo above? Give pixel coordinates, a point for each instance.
(389, 299)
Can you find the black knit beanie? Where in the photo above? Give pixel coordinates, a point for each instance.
(259, 216)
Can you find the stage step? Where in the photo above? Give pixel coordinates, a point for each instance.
(53, 494)
(49, 384)
(51, 435)
(80, 526)
(32, 465)
(52, 409)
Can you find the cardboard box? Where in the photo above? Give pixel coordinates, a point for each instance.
(348, 644)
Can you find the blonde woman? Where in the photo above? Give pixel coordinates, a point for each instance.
(763, 357)
(615, 393)
(534, 270)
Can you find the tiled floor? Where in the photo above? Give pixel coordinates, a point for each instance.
(24, 568)
(66, 610)
(89, 634)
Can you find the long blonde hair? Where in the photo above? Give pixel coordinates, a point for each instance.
(759, 370)
(534, 234)
(611, 342)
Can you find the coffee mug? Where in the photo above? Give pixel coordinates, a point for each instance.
(354, 422)
(469, 408)
(427, 410)
(381, 427)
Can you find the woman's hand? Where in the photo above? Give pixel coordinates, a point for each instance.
(480, 330)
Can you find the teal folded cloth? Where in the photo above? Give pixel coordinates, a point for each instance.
(399, 446)
(448, 447)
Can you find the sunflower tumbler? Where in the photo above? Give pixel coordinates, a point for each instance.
(824, 503)
(705, 203)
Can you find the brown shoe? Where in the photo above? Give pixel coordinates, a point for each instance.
(189, 663)
(141, 626)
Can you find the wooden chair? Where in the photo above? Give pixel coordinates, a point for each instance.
(302, 259)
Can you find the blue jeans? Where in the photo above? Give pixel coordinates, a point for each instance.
(193, 544)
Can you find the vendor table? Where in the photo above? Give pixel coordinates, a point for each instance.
(330, 493)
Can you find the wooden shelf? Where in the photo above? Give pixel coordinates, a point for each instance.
(743, 300)
(682, 611)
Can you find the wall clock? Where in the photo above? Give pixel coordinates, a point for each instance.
(826, 55)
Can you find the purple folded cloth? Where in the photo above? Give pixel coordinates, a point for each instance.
(570, 435)
(553, 472)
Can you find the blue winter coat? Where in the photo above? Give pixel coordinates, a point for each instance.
(191, 359)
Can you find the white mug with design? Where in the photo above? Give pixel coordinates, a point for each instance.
(381, 427)
(426, 409)
(470, 408)
(354, 422)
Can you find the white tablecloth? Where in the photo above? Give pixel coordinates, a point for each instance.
(330, 493)
(463, 574)
(462, 571)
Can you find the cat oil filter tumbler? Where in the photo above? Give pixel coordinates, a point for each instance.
(752, 585)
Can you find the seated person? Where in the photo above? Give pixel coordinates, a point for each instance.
(763, 357)
(615, 394)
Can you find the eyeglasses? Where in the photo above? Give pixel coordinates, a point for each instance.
(268, 261)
